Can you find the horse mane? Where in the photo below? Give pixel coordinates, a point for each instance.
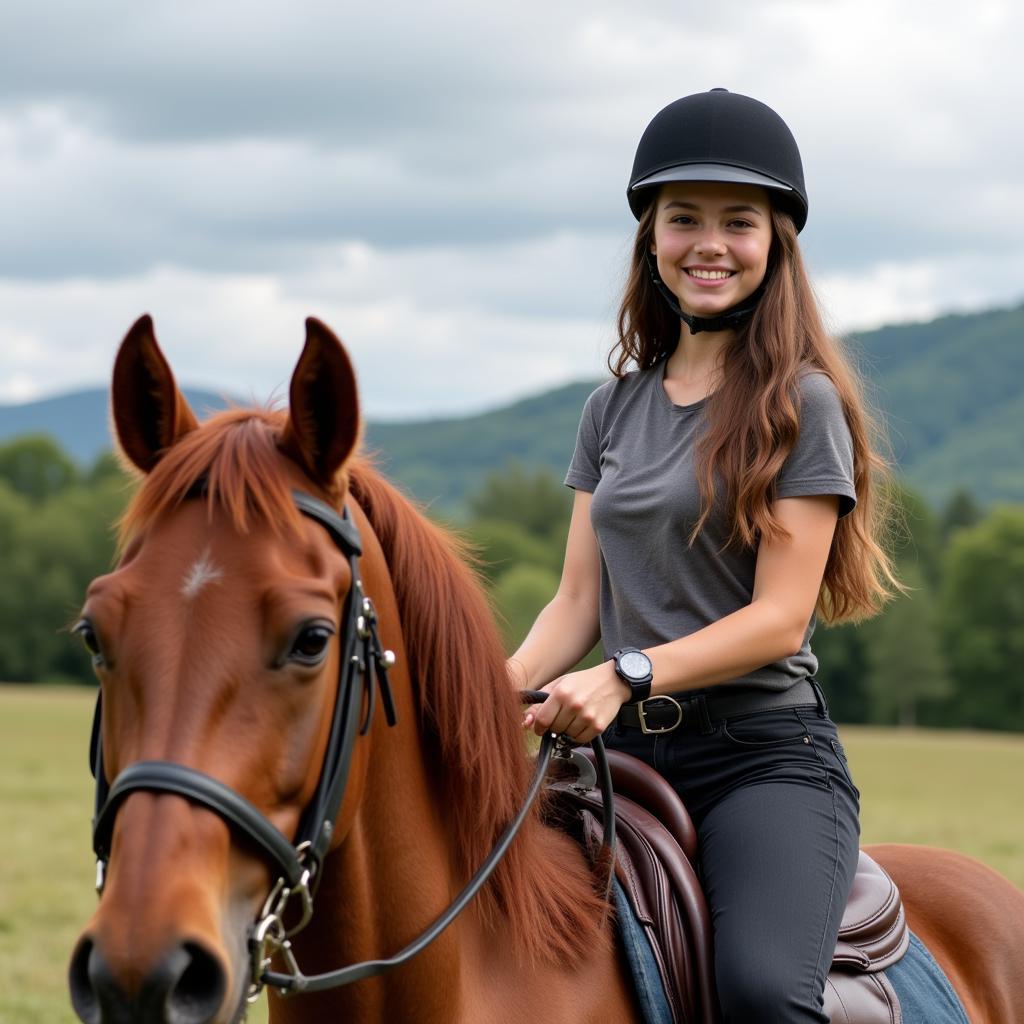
(469, 711)
(473, 712)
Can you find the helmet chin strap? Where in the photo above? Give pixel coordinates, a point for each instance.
(730, 319)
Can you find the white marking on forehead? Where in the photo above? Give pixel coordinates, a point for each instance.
(203, 572)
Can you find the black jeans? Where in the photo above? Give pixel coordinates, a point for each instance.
(777, 816)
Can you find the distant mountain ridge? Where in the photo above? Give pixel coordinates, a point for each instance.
(80, 420)
(951, 393)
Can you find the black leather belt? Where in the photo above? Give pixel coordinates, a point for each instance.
(665, 713)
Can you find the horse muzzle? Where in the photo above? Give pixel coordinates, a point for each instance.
(186, 985)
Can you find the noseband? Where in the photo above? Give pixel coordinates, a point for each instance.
(362, 671)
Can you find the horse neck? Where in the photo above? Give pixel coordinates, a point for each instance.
(397, 870)
(394, 873)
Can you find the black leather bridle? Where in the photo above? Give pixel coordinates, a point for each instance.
(362, 671)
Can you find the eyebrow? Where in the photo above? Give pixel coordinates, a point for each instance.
(727, 209)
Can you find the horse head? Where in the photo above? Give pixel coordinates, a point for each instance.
(216, 640)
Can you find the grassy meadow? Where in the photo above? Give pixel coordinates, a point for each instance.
(956, 789)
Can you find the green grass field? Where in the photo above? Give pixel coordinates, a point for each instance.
(955, 789)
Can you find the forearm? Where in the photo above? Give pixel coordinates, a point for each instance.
(563, 633)
(749, 638)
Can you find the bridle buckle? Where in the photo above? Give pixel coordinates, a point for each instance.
(654, 730)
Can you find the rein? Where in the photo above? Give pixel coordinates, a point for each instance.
(364, 663)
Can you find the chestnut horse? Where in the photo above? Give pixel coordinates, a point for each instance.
(220, 644)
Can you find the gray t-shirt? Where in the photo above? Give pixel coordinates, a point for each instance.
(635, 452)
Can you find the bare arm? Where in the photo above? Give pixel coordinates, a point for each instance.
(787, 581)
(567, 627)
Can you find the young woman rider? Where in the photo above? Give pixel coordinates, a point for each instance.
(725, 495)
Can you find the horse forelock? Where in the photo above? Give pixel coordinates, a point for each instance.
(468, 705)
(236, 453)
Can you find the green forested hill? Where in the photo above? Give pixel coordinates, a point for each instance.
(80, 420)
(445, 460)
(951, 392)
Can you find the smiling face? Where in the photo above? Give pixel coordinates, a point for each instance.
(711, 241)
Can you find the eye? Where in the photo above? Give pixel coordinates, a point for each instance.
(84, 629)
(310, 645)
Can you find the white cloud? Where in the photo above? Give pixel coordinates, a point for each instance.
(437, 329)
(453, 176)
(445, 329)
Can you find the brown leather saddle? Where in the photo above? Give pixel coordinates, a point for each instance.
(655, 853)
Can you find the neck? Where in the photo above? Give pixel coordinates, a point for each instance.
(698, 358)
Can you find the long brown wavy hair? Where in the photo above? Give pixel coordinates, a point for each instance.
(753, 418)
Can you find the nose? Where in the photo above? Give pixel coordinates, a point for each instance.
(186, 986)
(709, 243)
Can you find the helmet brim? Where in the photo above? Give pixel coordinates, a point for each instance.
(709, 172)
(715, 172)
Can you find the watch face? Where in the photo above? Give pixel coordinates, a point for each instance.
(635, 664)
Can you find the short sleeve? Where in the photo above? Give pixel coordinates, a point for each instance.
(585, 467)
(821, 461)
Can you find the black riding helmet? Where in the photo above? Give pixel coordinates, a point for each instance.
(718, 136)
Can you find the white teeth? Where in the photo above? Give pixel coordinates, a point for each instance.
(710, 275)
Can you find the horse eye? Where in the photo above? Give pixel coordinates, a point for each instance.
(311, 644)
(88, 636)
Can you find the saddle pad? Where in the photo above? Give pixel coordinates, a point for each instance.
(926, 996)
(643, 967)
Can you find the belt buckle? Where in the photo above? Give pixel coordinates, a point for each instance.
(654, 730)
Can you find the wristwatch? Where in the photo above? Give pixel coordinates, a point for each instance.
(634, 668)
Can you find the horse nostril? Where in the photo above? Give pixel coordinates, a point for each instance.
(199, 991)
(186, 987)
(83, 998)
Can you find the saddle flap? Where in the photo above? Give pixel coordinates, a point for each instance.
(874, 932)
(861, 999)
(663, 888)
(647, 788)
(645, 885)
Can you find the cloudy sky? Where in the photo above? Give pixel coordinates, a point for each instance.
(444, 183)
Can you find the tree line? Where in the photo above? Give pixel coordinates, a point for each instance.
(950, 653)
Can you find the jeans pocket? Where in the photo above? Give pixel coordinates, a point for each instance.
(840, 752)
(762, 729)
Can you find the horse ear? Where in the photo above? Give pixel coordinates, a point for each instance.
(149, 411)
(323, 417)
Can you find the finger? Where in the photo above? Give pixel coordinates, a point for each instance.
(570, 720)
(586, 728)
(530, 715)
(591, 725)
(551, 716)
